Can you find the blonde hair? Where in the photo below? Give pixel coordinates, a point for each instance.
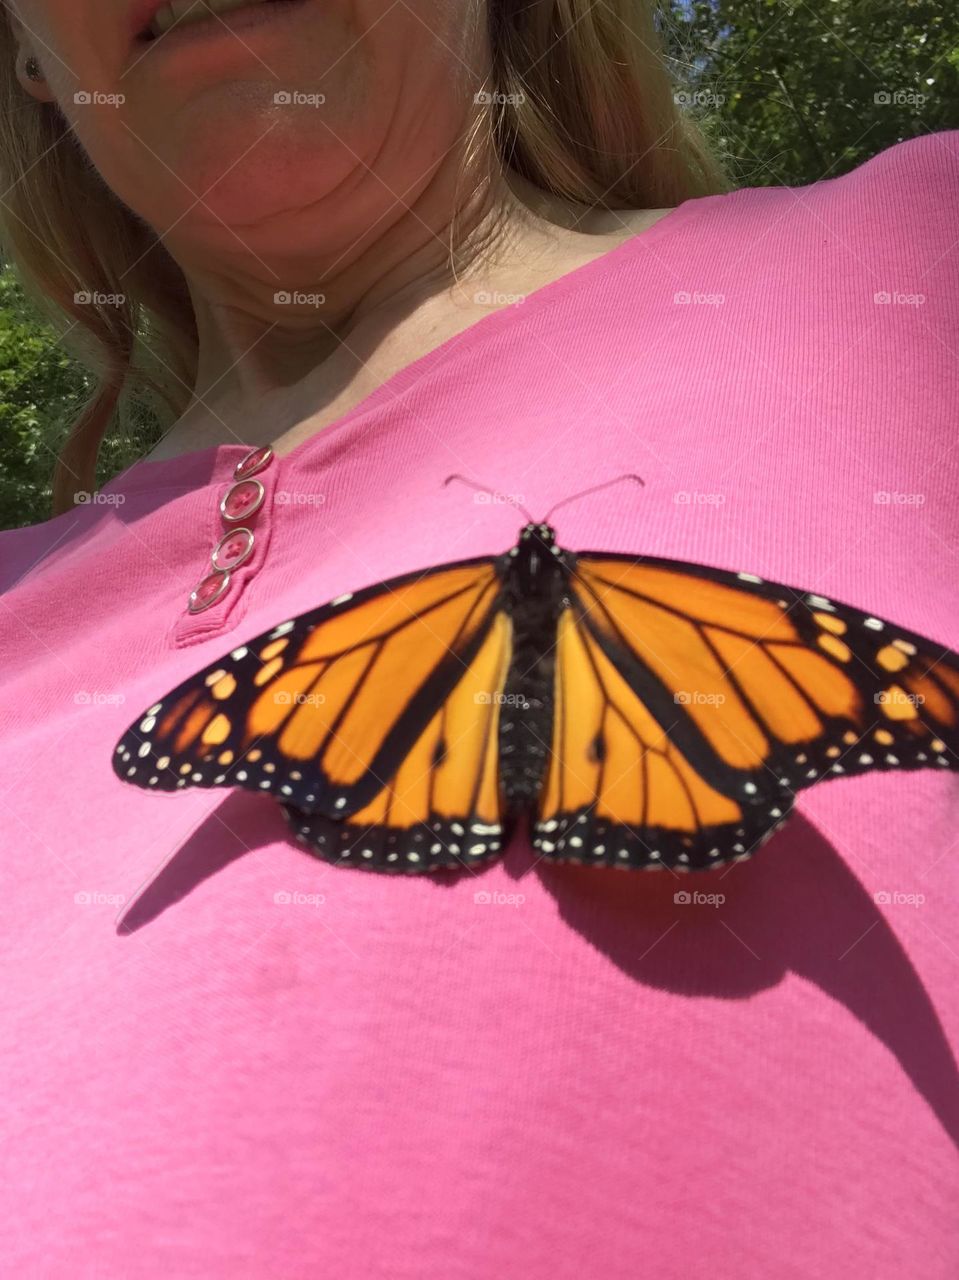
(581, 104)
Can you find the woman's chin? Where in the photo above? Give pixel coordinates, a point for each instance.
(230, 185)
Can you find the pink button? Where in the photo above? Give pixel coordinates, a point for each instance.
(243, 499)
(254, 461)
(232, 549)
(208, 591)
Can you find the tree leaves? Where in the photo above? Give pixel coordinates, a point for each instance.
(797, 90)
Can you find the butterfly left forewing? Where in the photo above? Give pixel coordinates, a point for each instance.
(322, 709)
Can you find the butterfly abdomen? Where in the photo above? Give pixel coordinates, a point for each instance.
(525, 723)
(536, 582)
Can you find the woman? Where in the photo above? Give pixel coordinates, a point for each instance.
(395, 243)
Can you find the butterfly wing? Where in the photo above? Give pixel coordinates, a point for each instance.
(441, 808)
(323, 710)
(692, 704)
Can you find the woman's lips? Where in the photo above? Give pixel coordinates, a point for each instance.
(145, 11)
(231, 27)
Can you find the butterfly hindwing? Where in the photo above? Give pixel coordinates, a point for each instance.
(322, 710)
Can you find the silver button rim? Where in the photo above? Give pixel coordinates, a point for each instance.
(243, 470)
(231, 533)
(198, 606)
(250, 511)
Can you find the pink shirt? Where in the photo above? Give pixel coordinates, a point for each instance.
(222, 1057)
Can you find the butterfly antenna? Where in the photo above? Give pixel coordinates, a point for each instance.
(499, 497)
(595, 489)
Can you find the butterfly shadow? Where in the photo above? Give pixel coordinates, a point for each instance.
(239, 825)
(796, 907)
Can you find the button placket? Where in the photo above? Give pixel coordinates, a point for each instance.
(238, 509)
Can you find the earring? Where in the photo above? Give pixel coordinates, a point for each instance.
(32, 68)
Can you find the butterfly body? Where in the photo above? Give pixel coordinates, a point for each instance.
(639, 712)
(535, 586)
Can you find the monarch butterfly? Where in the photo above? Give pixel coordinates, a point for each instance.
(642, 712)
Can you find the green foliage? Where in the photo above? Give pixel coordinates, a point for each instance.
(41, 390)
(789, 91)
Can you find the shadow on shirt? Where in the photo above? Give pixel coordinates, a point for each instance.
(797, 907)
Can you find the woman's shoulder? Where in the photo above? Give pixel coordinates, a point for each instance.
(892, 221)
(933, 157)
(904, 195)
(899, 204)
(892, 214)
(913, 184)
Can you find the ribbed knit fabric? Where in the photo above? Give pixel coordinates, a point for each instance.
(221, 1057)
